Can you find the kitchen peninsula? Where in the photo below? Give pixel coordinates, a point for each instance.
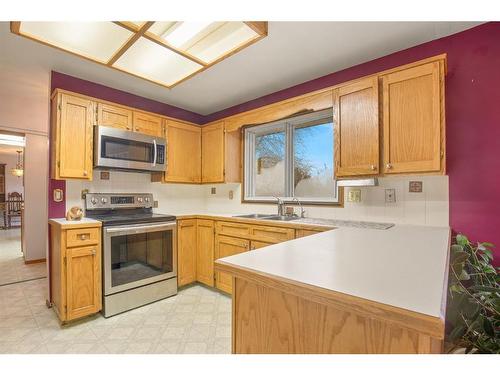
(348, 290)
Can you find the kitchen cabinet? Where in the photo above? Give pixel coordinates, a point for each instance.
(114, 116)
(224, 247)
(220, 154)
(356, 125)
(186, 251)
(308, 232)
(148, 124)
(254, 245)
(205, 252)
(183, 154)
(72, 123)
(413, 119)
(75, 264)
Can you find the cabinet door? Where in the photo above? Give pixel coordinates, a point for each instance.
(271, 234)
(413, 119)
(113, 116)
(74, 138)
(148, 124)
(205, 252)
(183, 153)
(186, 252)
(357, 128)
(83, 284)
(212, 153)
(224, 247)
(307, 232)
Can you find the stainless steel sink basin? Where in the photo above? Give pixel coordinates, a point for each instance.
(254, 216)
(281, 218)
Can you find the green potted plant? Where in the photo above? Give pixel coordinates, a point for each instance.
(473, 312)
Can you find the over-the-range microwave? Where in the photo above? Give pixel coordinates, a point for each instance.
(126, 150)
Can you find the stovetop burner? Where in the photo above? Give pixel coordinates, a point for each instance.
(122, 209)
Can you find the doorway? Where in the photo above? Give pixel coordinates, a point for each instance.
(13, 266)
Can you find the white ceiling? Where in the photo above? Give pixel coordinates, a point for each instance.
(293, 52)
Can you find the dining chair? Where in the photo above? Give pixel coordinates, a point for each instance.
(14, 206)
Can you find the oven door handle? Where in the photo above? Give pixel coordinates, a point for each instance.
(139, 228)
(155, 151)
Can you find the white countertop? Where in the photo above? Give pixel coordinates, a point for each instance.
(83, 220)
(404, 266)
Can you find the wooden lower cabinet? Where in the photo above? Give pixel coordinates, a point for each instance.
(254, 245)
(226, 246)
(308, 232)
(205, 252)
(186, 251)
(75, 269)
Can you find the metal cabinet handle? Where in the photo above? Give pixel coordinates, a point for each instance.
(389, 166)
(373, 167)
(85, 173)
(83, 237)
(93, 251)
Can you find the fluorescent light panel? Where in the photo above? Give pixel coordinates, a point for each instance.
(12, 140)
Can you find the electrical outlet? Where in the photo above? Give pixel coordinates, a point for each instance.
(415, 186)
(390, 195)
(155, 204)
(84, 193)
(354, 195)
(231, 194)
(213, 191)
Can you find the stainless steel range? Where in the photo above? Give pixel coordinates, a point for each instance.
(139, 250)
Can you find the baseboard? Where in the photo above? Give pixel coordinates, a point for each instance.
(43, 260)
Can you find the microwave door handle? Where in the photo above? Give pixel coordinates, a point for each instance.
(154, 156)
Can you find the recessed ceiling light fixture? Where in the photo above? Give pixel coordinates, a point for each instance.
(162, 52)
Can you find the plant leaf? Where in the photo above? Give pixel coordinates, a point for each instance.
(488, 327)
(457, 333)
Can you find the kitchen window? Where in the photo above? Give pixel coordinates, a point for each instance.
(291, 158)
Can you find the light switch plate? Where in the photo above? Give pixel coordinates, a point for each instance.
(231, 194)
(354, 195)
(415, 186)
(390, 195)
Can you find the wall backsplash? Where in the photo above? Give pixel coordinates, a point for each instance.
(431, 207)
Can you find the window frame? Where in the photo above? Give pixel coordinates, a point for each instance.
(288, 125)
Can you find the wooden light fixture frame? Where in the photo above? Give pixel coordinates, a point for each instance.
(138, 31)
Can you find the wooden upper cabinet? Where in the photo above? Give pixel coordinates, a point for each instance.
(114, 116)
(413, 115)
(357, 128)
(205, 252)
(212, 153)
(183, 153)
(72, 137)
(186, 251)
(221, 154)
(148, 124)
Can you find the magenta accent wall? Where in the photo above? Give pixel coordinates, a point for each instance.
(472, 119)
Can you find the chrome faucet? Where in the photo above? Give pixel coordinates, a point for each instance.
(302, 211)
(281, 205)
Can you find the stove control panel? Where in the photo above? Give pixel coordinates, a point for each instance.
(95, 201)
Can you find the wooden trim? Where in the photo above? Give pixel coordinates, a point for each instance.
(129, 43)
(260, 27)
(34, 261)
(15, 27)
(433, 326)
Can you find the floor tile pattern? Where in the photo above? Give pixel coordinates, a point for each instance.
(197, 320)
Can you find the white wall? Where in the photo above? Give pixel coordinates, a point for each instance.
(427, 208)
(430, 207)
(12, 183)
(172, 198)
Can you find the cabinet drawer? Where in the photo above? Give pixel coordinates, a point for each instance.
(308, 232)
(82, 237)
(232, 229)
(272, 234)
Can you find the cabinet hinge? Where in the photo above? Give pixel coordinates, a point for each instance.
(58, 163)
(64, 260)
(59, 106)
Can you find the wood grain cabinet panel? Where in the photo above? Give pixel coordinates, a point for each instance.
(357, 128)
(83, 272)
(232, 229)
(72, 137)
(183, 153)
(254, 245)
(271, 234)
(148, 124)
(308, 232)
(224, 247)
(205, 252)
(186, 251)
(413, 115)
(75, 270)
(212, 153)
(114, 116)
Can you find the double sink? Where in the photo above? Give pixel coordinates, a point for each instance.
(268, 217)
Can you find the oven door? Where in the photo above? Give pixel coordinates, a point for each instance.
(136, 255)
(116, 148)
